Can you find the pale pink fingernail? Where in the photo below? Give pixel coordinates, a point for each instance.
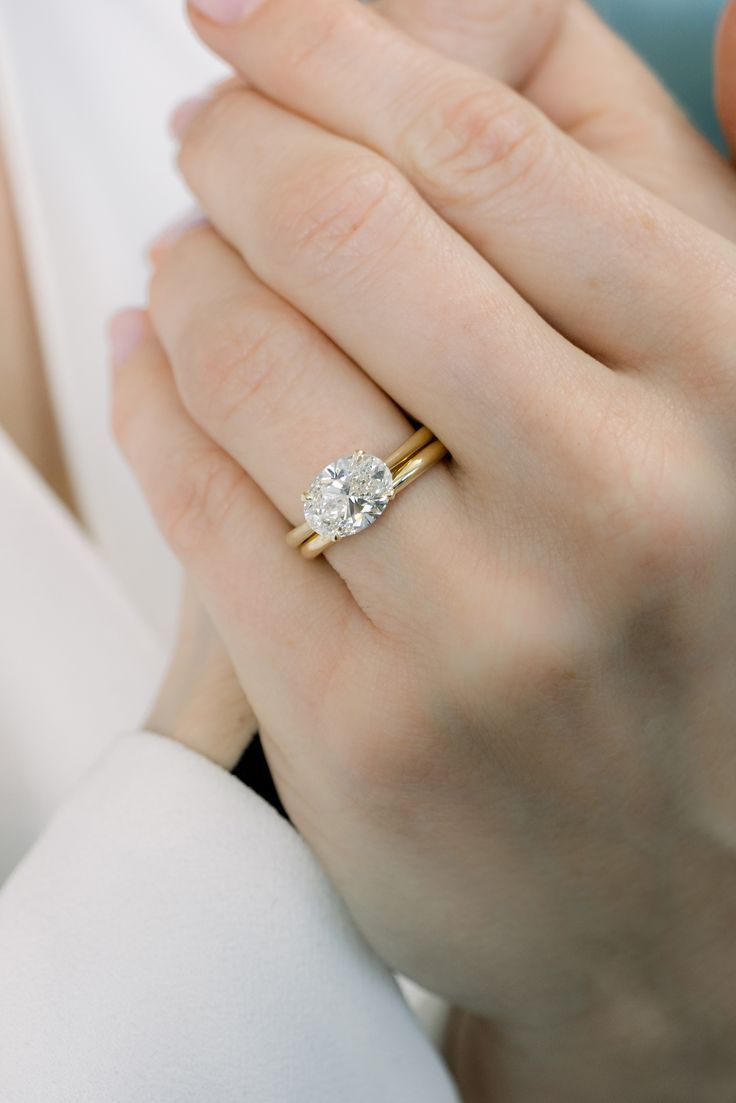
(126, 330)
(225, 11)
(171, 234)
(184, 115)
(227, 85)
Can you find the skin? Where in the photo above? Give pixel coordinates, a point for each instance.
(592, 85)
(561, 55)
(568, 732)
(201, 703)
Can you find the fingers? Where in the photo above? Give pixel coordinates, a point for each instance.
(340, 234)
(593, 86)
(507, 40)
(266, 602)
(726, 74)
(282, 400)
(260, 378)
(599, 257)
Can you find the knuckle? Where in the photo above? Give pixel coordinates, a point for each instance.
(400, 748)
(477, 138)
(341, 217)
(616, 127)
(544, 662)
(664, 505)
(540, 643)
(401, 753)
(703, 328)
(680, 528)
(199, 501)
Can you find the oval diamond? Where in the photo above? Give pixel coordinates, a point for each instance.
(348, 495)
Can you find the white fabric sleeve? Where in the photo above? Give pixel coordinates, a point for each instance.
(171, 938)
(78, 664)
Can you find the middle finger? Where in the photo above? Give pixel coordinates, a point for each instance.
(341, 234)
(596, 254)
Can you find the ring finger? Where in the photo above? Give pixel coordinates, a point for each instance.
(281, 399)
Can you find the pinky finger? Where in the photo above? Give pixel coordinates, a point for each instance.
(269, 605)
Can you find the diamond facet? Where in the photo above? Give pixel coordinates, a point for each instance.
(348, 495)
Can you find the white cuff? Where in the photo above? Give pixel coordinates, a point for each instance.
(171, 938)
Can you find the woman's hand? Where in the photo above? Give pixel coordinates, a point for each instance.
(200, 702)
(508, 708)
(568, 61)
(564, 56)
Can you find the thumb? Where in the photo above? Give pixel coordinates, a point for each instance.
(725, 74)
(200, 702)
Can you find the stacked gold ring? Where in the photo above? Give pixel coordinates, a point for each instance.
(418, 454)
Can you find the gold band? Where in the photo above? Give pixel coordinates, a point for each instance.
(418, 454)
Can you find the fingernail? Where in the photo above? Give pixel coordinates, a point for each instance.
(184, 115)
(227, 85)
(225, 11)
(126, 330)
(172, 233)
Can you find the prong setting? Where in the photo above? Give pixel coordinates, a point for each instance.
(348, 495)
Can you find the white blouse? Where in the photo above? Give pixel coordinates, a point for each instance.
(164, 934)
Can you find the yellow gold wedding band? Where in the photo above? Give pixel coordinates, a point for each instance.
(351, 493)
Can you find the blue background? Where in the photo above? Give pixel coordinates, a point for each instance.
(676, 37)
